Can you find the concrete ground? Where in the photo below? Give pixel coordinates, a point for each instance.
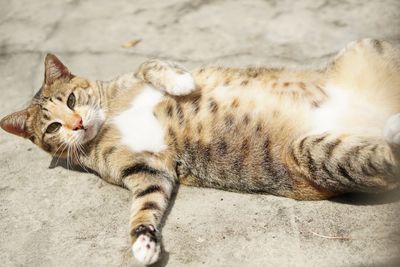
(50, 216)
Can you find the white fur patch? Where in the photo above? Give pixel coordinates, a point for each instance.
(348, 111)
(392, 129)
(180, 84)
(141, 131)
(145, 250)
(327, 117)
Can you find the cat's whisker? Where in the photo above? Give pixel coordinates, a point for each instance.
(70, 155)
(58, 148)
(92, 114)
(82, 149)
(80, 163)
(68, 148)
(59, 156)
(74, 155)
(64, 145)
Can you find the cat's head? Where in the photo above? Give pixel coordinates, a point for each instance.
(64, 115)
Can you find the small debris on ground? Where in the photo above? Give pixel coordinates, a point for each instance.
(131, 43)
(200, 240)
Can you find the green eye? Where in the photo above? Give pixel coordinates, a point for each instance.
(71, 101)
(53, 127)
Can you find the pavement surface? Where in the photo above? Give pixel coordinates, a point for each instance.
(51, 216)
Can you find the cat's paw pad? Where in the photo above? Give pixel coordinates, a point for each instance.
(392, 129)
(180, 83)
(146, 249)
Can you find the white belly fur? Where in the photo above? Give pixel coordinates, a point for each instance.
(348, 111)
(328, 117)
(140, 130)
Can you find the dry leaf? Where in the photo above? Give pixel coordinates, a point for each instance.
(131, 43)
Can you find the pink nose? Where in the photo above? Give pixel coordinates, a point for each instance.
(78, 125)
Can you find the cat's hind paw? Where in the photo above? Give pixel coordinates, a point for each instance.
(392, 130)
(146, 249)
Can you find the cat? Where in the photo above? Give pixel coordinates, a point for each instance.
(302, 134)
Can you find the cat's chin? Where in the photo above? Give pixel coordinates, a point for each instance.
(90, 133)
(94, 122)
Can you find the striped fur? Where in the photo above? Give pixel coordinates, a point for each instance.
(299, 134)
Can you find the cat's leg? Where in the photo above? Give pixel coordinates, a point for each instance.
(348, 163)
(370, 67)
(364, 54)
(171, 77)
(151, 188)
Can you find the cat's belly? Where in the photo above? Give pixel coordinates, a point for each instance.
(237, 153)
(235, 140)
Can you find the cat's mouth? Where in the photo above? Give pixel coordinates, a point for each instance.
(92, 122)
(90, 132)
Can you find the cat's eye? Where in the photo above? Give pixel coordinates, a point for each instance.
(53, 127)
(71, 101)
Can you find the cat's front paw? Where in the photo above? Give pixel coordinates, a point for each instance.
(392, 130)
(180, 83)
(146, 248)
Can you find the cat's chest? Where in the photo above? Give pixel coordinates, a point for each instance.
(140, 130)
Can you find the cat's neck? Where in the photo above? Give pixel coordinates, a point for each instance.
(104, 91)
(109, 91)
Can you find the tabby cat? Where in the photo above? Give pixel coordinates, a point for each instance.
(306, 135)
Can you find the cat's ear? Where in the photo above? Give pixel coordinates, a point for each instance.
(15, 123)
(54, 70)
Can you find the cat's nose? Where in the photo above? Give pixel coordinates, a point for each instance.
(78, 125)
